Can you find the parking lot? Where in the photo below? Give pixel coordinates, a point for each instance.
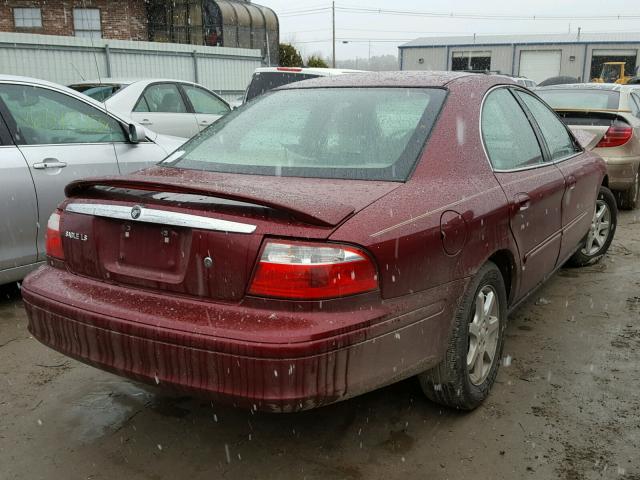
(565, 405)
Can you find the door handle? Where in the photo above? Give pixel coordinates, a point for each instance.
(204, 122)
(145, 122)
(571, 182)
(521, 202)
(49, 163)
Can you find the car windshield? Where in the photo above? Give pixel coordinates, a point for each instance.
(587, 99)
(262, 82)
(349, 133)
(98, 92)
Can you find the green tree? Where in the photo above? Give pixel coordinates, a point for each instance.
(317, 62)
(289, 56)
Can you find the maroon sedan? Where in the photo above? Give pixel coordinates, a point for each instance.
(327, 239)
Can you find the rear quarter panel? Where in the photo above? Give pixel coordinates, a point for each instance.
(452, 180)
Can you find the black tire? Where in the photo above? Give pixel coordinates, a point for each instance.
(450, 382)
(628, 199)
(584, 257)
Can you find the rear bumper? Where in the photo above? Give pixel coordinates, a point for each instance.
(622, 171)
(284, 376)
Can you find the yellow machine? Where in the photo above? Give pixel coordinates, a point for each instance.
(613, 72)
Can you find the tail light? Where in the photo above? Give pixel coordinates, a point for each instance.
(312, 272)
(53, 237)
(289, 69)
(616, 136)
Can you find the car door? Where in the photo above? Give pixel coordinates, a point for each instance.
(136, 156)
(163, 109)
(581, 173)
(61, 138)
(534, 189)
(207, 106)
(18, 210)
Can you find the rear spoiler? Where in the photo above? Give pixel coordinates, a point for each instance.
(325, 212)
(587, 140)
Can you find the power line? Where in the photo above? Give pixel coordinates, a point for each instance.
(300, 13)
(453, 15)
(479, 16)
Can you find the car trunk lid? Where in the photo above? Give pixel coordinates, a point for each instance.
(197, 235)
(595, 122)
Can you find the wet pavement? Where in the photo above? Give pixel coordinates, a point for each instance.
(566, 405)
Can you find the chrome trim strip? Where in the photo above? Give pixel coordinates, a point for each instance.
(162, 217)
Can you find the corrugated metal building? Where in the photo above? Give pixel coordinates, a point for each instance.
(534, 56)
(67, 60)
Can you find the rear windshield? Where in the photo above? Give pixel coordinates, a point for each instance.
(98, 92)
(591, 99)
(264, 81)
(349, 133)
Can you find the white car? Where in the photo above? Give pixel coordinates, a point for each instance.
(268, 78)
(171, 107)
(51, 135)
(525, 82)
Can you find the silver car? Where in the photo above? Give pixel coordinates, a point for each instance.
(610, 112)
(49, 136)
(171, 107)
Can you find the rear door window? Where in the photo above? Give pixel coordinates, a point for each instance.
(161, 98)
(205, 102)
(556, 136)
(508, 136)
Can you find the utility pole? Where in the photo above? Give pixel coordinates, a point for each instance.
(333, 21)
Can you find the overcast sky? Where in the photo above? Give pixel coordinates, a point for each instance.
(312, 32)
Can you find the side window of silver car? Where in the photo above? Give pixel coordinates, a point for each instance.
(40, 116)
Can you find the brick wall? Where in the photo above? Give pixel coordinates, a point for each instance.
(123, 20)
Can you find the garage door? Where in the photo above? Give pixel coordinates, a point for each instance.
(538, 65)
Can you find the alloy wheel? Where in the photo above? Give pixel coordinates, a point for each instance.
(483, 335)
(600, 229)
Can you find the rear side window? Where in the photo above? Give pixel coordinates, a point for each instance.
(264, 81)
(161, 98)
(555, 133)
(508, 136)
(581, 99)
(205, 102)
(634, 103)
(99, 92)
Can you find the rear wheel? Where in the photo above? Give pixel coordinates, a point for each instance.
(628, 199)
(464, 377)
(603, 228)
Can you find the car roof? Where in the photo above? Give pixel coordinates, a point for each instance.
(128, 81)
(66, 90)
(45, 83)
(388, 79)
(323, 72)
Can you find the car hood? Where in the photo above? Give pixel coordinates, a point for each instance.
(324, 202)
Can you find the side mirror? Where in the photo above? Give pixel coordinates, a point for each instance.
(137, 133)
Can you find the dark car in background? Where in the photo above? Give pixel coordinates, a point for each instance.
(265, 79)
(327, 239)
